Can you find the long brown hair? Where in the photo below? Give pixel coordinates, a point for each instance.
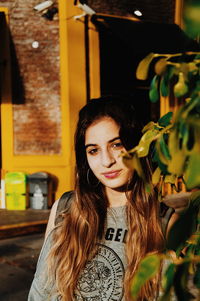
(75, 239)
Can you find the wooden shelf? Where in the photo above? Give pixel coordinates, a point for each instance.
(20, 222)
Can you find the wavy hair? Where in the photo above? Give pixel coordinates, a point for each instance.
(75, 239)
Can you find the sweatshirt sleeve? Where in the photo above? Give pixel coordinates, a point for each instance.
(39, 291)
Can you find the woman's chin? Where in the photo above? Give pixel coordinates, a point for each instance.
(115, 185)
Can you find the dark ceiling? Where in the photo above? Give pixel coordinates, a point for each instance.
(161, 11)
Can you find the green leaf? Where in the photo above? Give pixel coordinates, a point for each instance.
(192, 172)
(138, 167)
(165, 80)
(188, 107)
(148, 188)
(147, 269)
(192, 67)
(143, 67)
(170, 179)
(163, 150)
(192, 18)
(157, 160)
(168, 282)
(177, 163)
(160, 66)
(192, 28)
(164, 87)
(133, 162)
(184, 133)
(169, 276)
(156, 176)
(145, 142)
(180, 88)
(166, 119)
(149, 126)
(197, 276)
(154, 91)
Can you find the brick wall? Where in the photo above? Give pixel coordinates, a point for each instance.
(35, 79)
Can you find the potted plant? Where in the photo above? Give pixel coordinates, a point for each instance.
(175, 140)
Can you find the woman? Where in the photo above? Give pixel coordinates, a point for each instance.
(110, 222)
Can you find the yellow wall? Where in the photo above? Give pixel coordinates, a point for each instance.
(73, 97)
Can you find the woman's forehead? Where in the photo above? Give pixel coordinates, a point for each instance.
(104, 129)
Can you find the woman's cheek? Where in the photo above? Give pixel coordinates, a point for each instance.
(93, 163)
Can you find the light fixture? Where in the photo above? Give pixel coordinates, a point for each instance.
(35, 44)
(44, 5)
(137, 12)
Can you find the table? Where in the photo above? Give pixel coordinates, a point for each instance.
(20, 222)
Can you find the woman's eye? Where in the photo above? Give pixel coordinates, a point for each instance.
(93, 151)
(117, 145)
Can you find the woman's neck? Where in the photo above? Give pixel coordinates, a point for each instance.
(116, 198)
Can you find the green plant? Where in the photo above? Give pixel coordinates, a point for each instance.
(175, 140)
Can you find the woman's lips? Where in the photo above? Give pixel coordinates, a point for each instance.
(112, 174)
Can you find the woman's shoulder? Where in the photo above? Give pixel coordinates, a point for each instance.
(60, 206)
(63, 205)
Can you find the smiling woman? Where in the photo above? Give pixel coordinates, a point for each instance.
(103, 148)
(110, 223)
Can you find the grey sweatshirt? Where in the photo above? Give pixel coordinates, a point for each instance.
(102, 278)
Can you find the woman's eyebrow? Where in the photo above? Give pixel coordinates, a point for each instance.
(110, 141)
(88, 145)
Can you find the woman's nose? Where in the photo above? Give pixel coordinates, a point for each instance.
(107, 158)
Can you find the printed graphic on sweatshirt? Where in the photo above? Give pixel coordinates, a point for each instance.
(102, 278)
(118, 234)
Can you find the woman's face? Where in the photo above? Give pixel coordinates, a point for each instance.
(103, 149)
